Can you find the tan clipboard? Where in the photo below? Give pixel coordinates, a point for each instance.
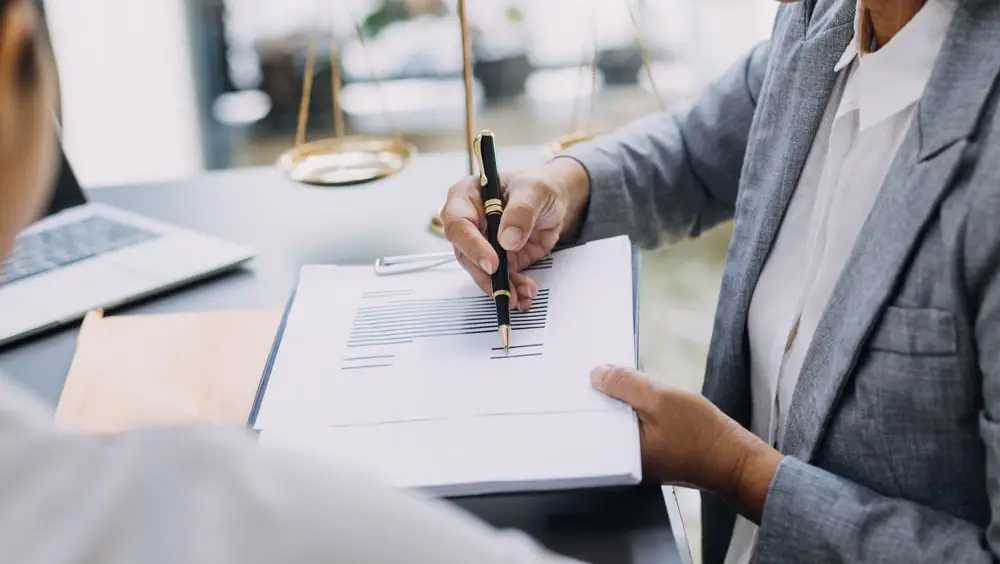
(134, 371)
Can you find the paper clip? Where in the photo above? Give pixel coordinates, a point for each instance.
(386, 266)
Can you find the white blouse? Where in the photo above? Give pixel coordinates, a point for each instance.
(865, 121)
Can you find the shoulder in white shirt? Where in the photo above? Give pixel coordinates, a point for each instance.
(212, 496)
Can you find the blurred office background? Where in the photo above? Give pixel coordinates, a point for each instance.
(163, 89)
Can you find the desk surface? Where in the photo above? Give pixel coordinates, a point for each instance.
(289, 225)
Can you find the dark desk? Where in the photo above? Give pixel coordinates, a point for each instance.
(290, 225)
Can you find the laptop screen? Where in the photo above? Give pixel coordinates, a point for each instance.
(67, 191)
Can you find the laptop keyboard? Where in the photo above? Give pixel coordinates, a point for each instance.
(73, 242)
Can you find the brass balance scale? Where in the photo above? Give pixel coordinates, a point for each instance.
(341, 160)
(584, 133)
(344, 160)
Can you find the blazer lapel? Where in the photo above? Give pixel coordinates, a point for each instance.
(800, 84)
(918, 179)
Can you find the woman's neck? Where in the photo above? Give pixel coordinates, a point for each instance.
(885, 18)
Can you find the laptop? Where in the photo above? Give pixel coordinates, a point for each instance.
(84, 255)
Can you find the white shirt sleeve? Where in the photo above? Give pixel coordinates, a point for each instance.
(212, 496)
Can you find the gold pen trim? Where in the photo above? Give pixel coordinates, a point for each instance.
(477, 148)
(501, 293)
(493, 205)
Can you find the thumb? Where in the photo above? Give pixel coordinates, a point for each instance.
(525, 201)
(627, 385)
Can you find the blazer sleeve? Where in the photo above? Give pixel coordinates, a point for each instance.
(674, 175)
(812, 515)
(212, 496)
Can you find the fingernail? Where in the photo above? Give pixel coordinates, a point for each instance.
(510, 237)
(525, 292)
(598, 373)
(486, 266)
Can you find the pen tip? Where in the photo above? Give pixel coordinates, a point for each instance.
(505, 337)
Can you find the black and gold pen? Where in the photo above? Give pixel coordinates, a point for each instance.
(489, 179)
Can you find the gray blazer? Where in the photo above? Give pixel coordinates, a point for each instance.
(893, 440)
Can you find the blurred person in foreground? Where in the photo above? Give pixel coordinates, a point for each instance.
(195, 496)
(851, 404)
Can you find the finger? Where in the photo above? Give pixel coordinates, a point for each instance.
(529, 254)
(547, 239)
(484, 281)
(479, 276)
(524, 203)
(627, 385)
(463, 222)
(519, 261)
(527, 289)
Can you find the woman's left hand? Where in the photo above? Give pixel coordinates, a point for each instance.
(686, 440)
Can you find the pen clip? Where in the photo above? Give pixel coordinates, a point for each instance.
(387, 266)
(477, 148)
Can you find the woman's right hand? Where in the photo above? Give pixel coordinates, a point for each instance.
(542, 206)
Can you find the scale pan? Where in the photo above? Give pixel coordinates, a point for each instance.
(343, 161)
(437, 226)
(565, 142)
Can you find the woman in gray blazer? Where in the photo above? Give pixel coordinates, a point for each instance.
(851, 405)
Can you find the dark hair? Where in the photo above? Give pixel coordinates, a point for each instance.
(27, 64)
(27, 67)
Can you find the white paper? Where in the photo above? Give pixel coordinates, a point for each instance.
(375, 369)
(482, 455)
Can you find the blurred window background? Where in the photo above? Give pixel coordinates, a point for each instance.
(164, 89)
(183, 86)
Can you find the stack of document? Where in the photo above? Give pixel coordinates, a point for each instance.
(403, 375)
